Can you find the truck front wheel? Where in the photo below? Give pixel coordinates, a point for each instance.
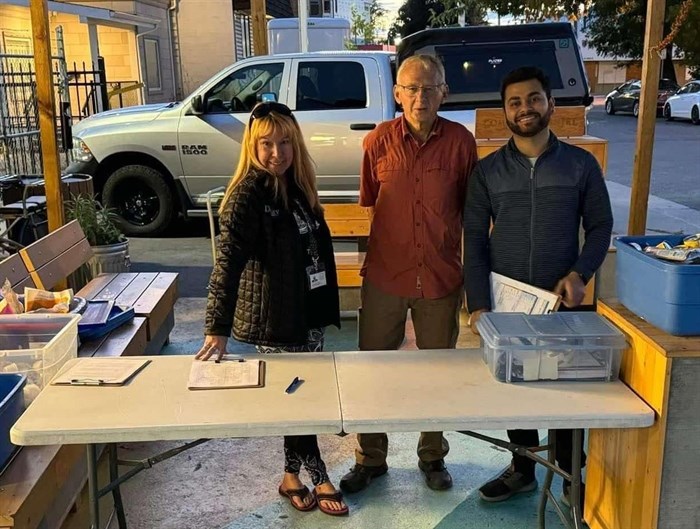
(141, 198)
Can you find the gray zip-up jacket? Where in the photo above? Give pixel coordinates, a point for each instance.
(536, 214)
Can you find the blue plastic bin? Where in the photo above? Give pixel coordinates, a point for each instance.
(11, 407)
(664, 293)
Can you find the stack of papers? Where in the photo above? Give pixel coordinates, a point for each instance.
(509, 295)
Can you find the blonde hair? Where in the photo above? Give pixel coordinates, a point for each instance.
(302, 165)
(428, 62)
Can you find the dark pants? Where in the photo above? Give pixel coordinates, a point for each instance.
(383, 328)
(303, 450)
(530, 438)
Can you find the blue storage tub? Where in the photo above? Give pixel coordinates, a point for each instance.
(11, 407)
(664, 293)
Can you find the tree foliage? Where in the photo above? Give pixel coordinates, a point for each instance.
(528, 10)
(618, 30)
(474, 12)
(415, 15)
(365, 24)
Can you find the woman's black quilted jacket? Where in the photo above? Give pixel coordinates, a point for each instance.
(258, 285)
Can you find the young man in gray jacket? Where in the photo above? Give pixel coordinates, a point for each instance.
(535, 191)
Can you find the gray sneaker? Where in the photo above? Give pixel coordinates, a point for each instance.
(507, 484)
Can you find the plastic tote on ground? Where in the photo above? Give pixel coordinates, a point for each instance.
(560, 346)
(11, 407)
(664, 293)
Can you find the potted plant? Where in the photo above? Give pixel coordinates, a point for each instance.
(109, 245)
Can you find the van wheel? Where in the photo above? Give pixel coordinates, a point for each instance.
(141, 198)
(695, 116)
(609, 109)
(635, 109)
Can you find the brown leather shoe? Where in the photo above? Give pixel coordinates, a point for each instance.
(359, 477)
(436, 475)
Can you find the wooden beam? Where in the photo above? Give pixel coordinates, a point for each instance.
(258, 16)
(47, 111)
(651, 64)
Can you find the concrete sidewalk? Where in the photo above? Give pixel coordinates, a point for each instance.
(232, 483)
(663, 216)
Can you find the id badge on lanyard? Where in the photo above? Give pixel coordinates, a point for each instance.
(316, 275)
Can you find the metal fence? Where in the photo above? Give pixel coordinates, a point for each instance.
(20, 151)
(80, 92)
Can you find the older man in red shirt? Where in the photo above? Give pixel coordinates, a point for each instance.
(414, 180)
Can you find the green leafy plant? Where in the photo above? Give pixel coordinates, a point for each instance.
(98, 222)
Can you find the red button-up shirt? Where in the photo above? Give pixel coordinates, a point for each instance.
(417, 192)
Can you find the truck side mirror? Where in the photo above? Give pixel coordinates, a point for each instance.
(197, 105)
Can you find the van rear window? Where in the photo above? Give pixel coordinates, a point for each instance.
(480, 68)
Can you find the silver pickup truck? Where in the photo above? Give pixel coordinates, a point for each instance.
(153, 162)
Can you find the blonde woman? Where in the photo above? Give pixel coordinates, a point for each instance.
(274, 282)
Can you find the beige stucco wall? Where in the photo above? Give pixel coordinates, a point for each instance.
(205, 38)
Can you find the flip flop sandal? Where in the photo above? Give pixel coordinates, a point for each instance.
(336, 496)
(302, 494)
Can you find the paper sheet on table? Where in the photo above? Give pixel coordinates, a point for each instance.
(227, 374)
(101, 371)
(509, 295)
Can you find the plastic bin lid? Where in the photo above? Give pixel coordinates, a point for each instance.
(508, 328)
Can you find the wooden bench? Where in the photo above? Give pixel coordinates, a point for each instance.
(348, 220)
(40, 486)
(491, 133)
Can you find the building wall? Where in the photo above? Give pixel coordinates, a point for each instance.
(206, 45)
(117, 46)
(158, 10)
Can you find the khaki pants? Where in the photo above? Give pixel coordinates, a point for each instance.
(382, 328)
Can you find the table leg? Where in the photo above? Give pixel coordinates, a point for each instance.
(575, 492)
(116, 491)
(547, 486)
(92, 486)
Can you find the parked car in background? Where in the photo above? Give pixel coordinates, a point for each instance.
(625, 98)
(685, 104)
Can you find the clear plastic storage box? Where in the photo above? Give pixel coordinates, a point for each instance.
(37, 345)
(561, 346)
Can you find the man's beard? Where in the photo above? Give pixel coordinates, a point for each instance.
(534, 128)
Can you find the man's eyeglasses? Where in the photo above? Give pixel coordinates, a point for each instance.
(428, 90)
(263, 109)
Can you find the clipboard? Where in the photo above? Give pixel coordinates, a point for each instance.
(509, 295)
(227, 374)
(100, 372)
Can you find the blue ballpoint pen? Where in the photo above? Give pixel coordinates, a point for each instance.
(293, 385)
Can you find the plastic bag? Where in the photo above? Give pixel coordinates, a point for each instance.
(10, 304)
(36, 300)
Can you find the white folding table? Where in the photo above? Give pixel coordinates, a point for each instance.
(156, 405)
(452, 390)
(384, 391)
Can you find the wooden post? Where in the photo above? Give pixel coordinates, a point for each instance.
(47, 112)
(257, 14)
(646, 123)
